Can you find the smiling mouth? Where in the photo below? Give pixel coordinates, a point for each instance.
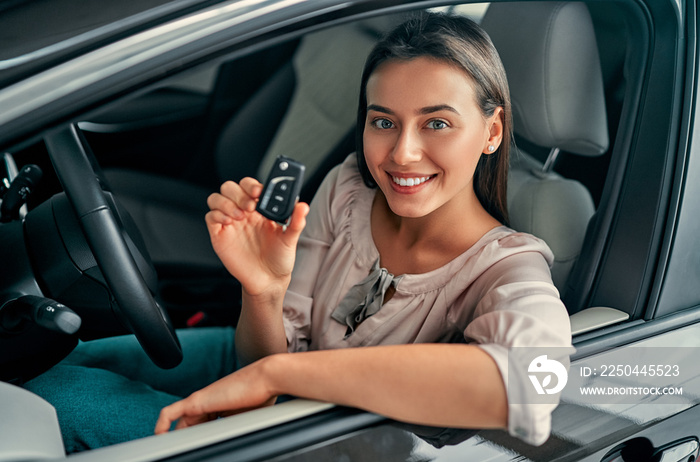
(411, 181)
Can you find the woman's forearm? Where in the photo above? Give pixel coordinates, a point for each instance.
(260, 330)
(430, 384)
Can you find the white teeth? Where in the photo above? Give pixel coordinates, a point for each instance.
(410, 181)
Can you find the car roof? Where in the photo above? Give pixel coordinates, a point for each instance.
(37, 34)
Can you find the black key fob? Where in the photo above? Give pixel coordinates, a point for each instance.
(281, 190)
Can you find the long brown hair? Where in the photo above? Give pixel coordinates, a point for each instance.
(461, 42)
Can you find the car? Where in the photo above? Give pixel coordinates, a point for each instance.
(118, 120)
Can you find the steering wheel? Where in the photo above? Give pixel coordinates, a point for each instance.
(105, 237)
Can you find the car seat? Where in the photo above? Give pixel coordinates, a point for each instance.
(314, 96)
(550, 55)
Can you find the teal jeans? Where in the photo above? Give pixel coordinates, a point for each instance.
(108, 391)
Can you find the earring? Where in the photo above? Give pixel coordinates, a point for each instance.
(492, 148)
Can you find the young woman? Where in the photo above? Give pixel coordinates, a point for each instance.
(404, 251)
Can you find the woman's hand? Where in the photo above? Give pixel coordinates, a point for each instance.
(256, 251)
(241, 391)
(440, 385)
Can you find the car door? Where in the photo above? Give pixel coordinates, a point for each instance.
(640, 259)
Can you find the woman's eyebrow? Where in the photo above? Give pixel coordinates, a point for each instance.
(423, 111)
(378, 108)
(438, 108)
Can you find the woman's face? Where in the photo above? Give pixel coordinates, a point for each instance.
(424, 135)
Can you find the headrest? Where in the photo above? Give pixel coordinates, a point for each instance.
(324, 104)
(551, 58)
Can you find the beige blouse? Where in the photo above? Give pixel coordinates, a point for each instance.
(498, 294)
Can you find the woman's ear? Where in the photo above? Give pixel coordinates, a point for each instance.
(495, 128)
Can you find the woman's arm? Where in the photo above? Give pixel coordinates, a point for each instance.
(260, 254)
(260, 330)
(444, 385)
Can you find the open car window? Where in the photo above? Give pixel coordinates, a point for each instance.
(241, 89)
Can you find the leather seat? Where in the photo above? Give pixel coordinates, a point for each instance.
(315, 99)
(551, 58)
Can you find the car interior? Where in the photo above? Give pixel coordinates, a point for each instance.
(163, 149)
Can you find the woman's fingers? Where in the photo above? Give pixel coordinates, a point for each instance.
(235, 199)
(241, 391)
(297, 222)
(244, 194)
(238, 196)
(183, 415)
(217, 217)
(168, 415)
(187, 412)
(252, 187)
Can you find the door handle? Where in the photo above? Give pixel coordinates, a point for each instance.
(641, 450)
(685, 450)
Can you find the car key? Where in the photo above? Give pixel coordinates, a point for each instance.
(281, 190)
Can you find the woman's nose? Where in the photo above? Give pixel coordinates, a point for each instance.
(408, 148)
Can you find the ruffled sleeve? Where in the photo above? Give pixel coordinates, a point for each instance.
(518, 314)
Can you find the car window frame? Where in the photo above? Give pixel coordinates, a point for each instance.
(633, 159)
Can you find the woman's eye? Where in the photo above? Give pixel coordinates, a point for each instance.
(437, 124)
(383, 124)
